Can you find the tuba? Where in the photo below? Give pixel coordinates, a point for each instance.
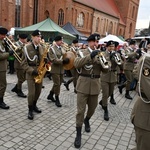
(43, 67)
(71, 56)
(12, 47)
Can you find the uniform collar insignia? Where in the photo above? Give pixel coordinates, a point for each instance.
(146, 72)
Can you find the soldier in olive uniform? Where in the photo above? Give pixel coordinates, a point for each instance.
(56, 53)
(109, 79)
(3, 67)
(129, 65)
(74, 48)
(19, 70)
(141, 111)
(30, 61)
(88, 85)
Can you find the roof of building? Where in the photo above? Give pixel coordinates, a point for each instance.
(106, 6)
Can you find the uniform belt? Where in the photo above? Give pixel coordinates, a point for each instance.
(90, 75)
(113, 70)
(33, 65)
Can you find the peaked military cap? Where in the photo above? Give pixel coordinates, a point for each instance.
(36, 33)
(3, 30)
(75, 41)
(94, 37)
(23, 36)
(110, 43)
(116, 43)
(58, 38)
(132, 42)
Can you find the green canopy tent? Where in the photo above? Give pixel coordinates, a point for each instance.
(49, 30)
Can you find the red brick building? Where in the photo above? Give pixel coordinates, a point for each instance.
(116, 17)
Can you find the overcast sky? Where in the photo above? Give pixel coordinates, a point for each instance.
(143, 14)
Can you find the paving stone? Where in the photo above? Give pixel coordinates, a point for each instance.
(55, 128)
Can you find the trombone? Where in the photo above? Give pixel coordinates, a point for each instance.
(12, 47)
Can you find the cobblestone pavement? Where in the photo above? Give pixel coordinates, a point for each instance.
(54, 128)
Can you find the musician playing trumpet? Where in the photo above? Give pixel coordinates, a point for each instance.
(109, 79)
(31, 59)
(88, 85)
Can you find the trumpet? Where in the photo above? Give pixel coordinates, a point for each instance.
(12, 47)
(117, 58)
(123, 54)
(103, 60)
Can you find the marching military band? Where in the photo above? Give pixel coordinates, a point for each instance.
(93, 70)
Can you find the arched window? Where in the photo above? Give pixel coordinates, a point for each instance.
(17, 13)
(46, 13)
(97, 24)
(110, 28)
(35, 12)
(80, 20)
(60, 17)
(133, 11)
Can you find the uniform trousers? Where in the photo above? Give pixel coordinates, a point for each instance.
(57, 80)
(107, 90)
(129, 78)
(21, 77)
(3, 83)
(82, 100)
(142, 139)
(34, 91)
(74, 76)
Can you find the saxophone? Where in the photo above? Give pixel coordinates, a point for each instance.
(43, 67)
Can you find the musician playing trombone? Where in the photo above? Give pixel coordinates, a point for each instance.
(56, 53)
(3, 67)
(88, 84)
(19, 70)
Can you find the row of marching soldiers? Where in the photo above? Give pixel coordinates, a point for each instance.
(93, 70)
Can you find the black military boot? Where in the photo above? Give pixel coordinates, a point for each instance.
(67, 85)
(106, 116)
(57, 103)
(127, 95)
(50, 97)
(77, 142)
(15, 89)
(87, 124)
(112, 100)
(120, 87)
(30, 113)
(2, 104)
(21, 94)
(36, 109)
(100, 103)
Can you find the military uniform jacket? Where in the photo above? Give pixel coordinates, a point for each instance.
(31, 58)
(130, 62)
(111, 75)
(3, 57)
(56, 58)
(19, 51)
(140, 115)
(88, 85)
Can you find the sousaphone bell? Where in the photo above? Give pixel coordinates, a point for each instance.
(71, 56)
